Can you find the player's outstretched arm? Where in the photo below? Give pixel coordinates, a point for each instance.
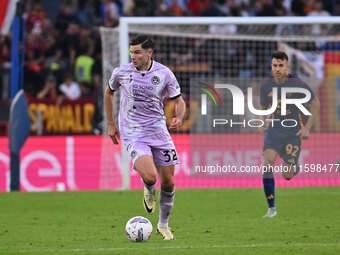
(180, 107)
(112, 130)
(314, 108)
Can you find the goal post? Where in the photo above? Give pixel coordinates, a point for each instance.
(237, 48)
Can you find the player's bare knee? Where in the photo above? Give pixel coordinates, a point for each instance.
(287, 175)
(168, 184)
(269, 162)
(288, 171)
(150, 179)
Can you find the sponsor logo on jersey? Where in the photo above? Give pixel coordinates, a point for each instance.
(291, 161)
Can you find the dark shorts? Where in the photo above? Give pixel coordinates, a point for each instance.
(288, 146)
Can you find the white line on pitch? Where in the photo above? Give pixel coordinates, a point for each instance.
(184, 247)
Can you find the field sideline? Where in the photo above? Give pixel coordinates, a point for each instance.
(205, 221)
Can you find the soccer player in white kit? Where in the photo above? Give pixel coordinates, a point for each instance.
(142, 124)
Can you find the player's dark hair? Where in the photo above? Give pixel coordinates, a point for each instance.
(280, 55)
(145, 41)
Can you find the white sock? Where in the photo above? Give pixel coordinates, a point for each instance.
(162, 225)
(166, 202)
(149, 187)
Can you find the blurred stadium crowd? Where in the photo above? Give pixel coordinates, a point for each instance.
(63, 55)
(67, 50)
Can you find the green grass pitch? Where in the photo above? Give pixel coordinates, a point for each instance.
(204, 221)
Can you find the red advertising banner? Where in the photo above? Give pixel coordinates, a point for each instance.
(61, 163)
(94, 163)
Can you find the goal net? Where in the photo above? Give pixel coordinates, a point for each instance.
(203, 52)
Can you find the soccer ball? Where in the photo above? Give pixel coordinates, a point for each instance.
(138, 229)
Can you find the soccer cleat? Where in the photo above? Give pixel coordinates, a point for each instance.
(165, 233)
(270, 213)
(149, 200)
